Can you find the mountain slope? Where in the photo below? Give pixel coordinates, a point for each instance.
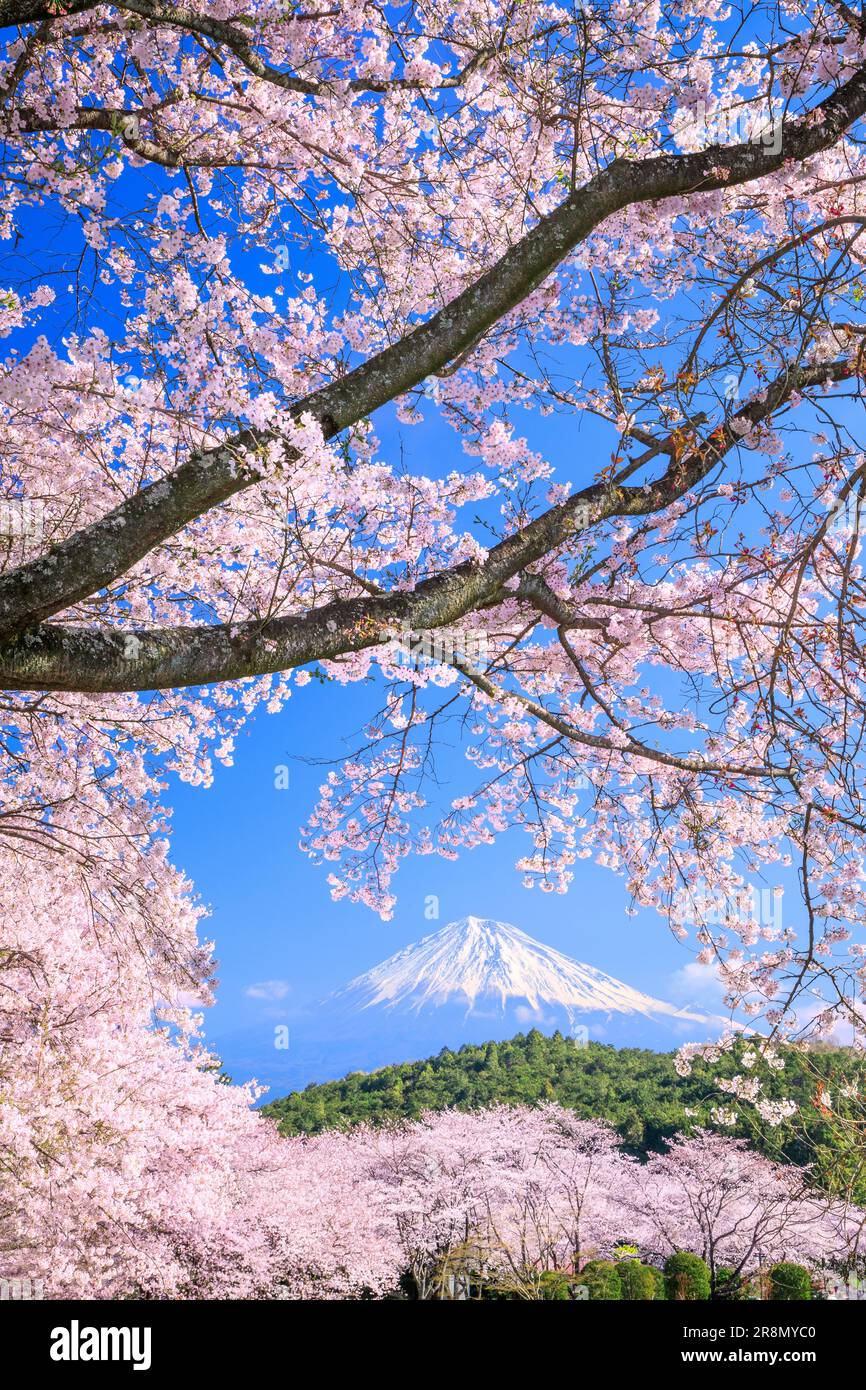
(638, 1091)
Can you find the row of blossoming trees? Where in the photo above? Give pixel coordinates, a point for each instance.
(496, 1199)
(502, 1197)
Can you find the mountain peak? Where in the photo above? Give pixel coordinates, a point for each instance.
(479, 962)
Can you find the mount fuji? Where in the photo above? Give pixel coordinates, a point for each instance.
(482, 967)
(475, 980)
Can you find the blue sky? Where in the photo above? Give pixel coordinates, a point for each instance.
(273, 919)
(277, 931)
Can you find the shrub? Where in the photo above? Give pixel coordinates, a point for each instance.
(602, 1279)
(659, 1281)
(730, 1286)
(790, 1281)
(686, 1277)
(553, 1284)
(637, 1280)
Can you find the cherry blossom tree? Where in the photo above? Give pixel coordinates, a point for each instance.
(235, 248)
(498, 1196)
(718, 1198)
(570, 1203)
(502, 1196)
(431, 1181)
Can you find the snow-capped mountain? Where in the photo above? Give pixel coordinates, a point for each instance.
(474, 981)
(481, 965)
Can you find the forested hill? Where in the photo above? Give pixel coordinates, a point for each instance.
(638, 1092)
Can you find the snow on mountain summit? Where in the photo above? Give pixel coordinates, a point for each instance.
(477, 961)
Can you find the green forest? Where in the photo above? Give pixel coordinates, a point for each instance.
(638, 1092)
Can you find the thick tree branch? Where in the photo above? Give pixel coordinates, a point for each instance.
(54, 657)
(92, 558)
(19, 12)
(227, 33)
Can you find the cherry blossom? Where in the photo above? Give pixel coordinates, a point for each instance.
(238, 252)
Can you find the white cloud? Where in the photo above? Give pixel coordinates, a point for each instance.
(190, 1000)
(696, 983)
(534, 1016)
(268, 989)
(842, 1032)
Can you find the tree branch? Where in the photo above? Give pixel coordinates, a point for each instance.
(19, 12)
(93, 557)
(54, 657)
